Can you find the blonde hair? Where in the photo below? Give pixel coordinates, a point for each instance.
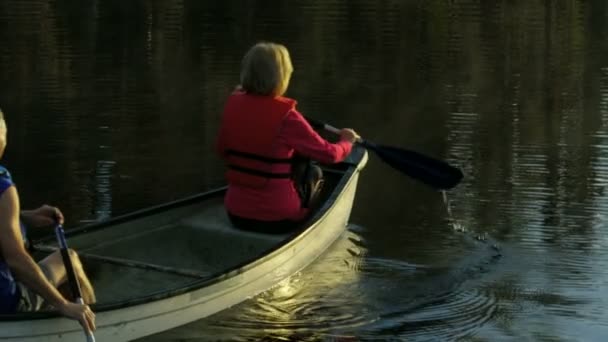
(266, 69)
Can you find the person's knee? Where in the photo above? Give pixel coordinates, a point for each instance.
(75, 259)
(316, 179)
(73, 255)
(316, 172)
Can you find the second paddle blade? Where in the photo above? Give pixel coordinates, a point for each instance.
(433, 172)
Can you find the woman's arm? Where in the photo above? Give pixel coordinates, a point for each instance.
(26, 269)
(15, 255)
(297, 133)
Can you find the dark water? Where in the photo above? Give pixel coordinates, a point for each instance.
(113, 106)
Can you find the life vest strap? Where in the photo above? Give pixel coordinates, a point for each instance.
(259, 173)
(258, 157)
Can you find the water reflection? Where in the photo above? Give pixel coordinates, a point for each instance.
(326, 300)
(103, 181)
(347, 295)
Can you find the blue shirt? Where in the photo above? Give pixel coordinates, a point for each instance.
(9, 294)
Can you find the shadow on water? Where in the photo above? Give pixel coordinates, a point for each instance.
(348, 293)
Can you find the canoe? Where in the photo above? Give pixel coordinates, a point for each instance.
(161, 267)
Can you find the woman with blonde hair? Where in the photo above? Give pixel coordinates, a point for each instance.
(266, 144)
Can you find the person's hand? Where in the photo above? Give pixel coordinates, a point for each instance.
(349, 135)
(44, 216)
(80, 312)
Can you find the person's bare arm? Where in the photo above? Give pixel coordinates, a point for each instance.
(25, 268)
(15, 254)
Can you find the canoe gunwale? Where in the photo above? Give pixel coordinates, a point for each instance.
(306, 228)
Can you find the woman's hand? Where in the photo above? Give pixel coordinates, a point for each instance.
(44, 216)
(349, 135)
(80, 312)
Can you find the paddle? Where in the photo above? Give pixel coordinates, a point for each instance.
(72, 280)
(435, 173)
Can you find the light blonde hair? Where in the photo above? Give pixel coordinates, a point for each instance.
(266, 69)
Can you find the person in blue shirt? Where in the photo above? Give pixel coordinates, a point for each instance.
(24, 284)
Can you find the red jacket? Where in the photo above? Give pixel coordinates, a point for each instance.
(269, 128)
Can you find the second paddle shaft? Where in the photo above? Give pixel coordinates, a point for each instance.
(338, 131)
(434, 172)
(331, 128)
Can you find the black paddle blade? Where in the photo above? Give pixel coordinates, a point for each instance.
(435, 173)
